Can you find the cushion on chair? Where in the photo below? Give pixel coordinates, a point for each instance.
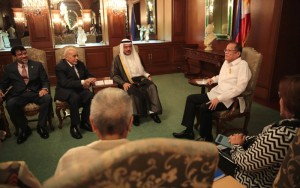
(154, 162)
(69, 39)
(91, 38)
(61, 104)
(58, 40)
(17, 174)
(31, 109)
(25, 41)
(226, 113)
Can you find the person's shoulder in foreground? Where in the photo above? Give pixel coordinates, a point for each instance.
(111, 119)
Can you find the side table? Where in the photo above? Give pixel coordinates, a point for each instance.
(200, 82)
(106, 83)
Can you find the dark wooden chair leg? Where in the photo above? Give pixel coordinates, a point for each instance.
(5, 122)
(16, 133)
(219, 126)
(246, 122)
(57, 110)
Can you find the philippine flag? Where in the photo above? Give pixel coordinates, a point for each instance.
(243, 21)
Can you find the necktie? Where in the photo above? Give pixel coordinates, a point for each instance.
(24, 74)
(76, 71)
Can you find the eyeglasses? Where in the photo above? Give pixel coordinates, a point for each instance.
(225, 50)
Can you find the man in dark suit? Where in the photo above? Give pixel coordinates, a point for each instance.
(29, 83)
(73, 82)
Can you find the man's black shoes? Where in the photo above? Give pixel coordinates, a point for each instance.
(155, 118)
(185, 134)
(75, 132)
(136, 120)
(23, 136)
(42, 132)
(87, 126)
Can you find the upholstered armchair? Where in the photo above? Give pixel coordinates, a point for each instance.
(254, 60)
(17, 174)
(57, 40)
(91, 38)
(62, 106)
(154, 162)
(32, 109)
(25, 41)
(288, 174)
(69, 39)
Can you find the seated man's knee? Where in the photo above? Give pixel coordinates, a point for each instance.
(133, 90)
(152, 86)
(11, 103)
(191, 98)
(47, 98)
(204, 108)
(74, 98)
(90, 95)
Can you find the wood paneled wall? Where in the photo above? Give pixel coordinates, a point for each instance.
(274, 32)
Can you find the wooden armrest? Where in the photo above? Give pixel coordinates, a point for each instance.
(235, 105)
(246, 93)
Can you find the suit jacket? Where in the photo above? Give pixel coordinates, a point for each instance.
(38, 79)
(67, 79)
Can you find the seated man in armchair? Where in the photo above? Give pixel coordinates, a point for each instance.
(129, 73)
(29, 82)
(73, 83)
(232, 81)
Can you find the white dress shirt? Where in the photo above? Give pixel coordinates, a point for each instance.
(232, 81)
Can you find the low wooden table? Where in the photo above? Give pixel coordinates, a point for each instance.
(97, 88)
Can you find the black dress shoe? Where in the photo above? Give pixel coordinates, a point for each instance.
(23, 136)
(42, 132)
(136, 120)
(155, 118)
(185, 134)
(87, 126)
(75, 132)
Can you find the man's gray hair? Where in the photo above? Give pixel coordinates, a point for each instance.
(111, 110)
(68, 49)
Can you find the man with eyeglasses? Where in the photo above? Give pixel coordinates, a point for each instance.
(232, 81)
